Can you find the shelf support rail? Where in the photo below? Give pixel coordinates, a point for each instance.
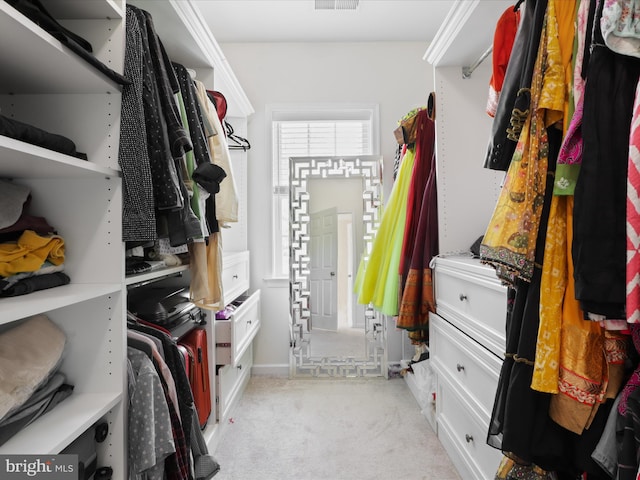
(467, 71)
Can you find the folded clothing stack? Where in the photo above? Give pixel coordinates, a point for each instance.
(31, 253)
(30, 381)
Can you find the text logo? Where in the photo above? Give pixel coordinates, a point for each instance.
(51, 467)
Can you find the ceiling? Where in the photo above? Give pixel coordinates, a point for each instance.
(298, 20)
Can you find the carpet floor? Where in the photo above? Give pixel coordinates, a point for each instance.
(330, 429)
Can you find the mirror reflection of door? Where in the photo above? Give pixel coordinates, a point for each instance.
(335, 242)
(323, 280)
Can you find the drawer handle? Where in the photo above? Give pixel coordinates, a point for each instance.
(248, 322)
(235, 276)
(462, 297)
(239, 367)
(468, 438)
(459, 367)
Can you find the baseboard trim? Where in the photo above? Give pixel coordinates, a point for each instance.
(278, 370)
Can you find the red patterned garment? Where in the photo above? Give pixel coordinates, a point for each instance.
(633, 217)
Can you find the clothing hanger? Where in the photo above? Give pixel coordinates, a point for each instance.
(516, 7)
(234, 141)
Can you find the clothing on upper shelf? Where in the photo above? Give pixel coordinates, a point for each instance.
(35, 283)
(12, 128)
(29, 253)
(36, 12)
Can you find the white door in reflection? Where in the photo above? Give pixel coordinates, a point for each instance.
(323, 280)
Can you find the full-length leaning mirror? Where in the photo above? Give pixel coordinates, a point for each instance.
(334, 208)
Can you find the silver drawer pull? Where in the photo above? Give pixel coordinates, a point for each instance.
(462, 297)
(468, 438)
(459, 367)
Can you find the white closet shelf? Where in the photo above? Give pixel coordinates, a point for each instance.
(15, 308)
(149, 276)
(23, 160)
(33, 61)
(81, 9)
(59, 427)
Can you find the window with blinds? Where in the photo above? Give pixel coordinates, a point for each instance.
(304, 138)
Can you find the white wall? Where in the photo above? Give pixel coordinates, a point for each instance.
(392, 75)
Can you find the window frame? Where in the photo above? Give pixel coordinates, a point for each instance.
(307, 112)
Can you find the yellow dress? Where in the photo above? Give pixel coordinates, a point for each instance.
(377, 281)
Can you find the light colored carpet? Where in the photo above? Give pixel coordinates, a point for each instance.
(330, 429)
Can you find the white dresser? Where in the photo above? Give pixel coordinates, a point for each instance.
(234, 336)
(466, 344)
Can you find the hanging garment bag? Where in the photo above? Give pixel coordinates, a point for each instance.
(195, 342)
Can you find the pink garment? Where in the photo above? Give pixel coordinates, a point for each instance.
(571, 149)
(633, 216)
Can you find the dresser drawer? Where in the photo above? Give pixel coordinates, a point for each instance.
(466, 364)
(235, 275)
(230, 383)
(464, 435)
(234, 336)
(470, 296)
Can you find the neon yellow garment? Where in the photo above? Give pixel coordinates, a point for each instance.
(378, 280)
(29, 252)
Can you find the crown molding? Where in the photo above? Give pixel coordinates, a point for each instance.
(225, 79)
(449, 31)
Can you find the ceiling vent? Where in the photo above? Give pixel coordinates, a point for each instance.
(337, 4)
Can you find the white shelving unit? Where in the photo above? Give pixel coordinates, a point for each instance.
(46, 85)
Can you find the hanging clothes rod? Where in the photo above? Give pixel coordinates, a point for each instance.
(467, 71)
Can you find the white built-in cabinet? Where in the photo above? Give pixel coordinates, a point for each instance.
(48, 86)
(467, 332)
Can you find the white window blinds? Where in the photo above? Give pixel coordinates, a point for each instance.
(346, 132)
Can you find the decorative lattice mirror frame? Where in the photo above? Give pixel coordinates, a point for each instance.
(302, 169)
